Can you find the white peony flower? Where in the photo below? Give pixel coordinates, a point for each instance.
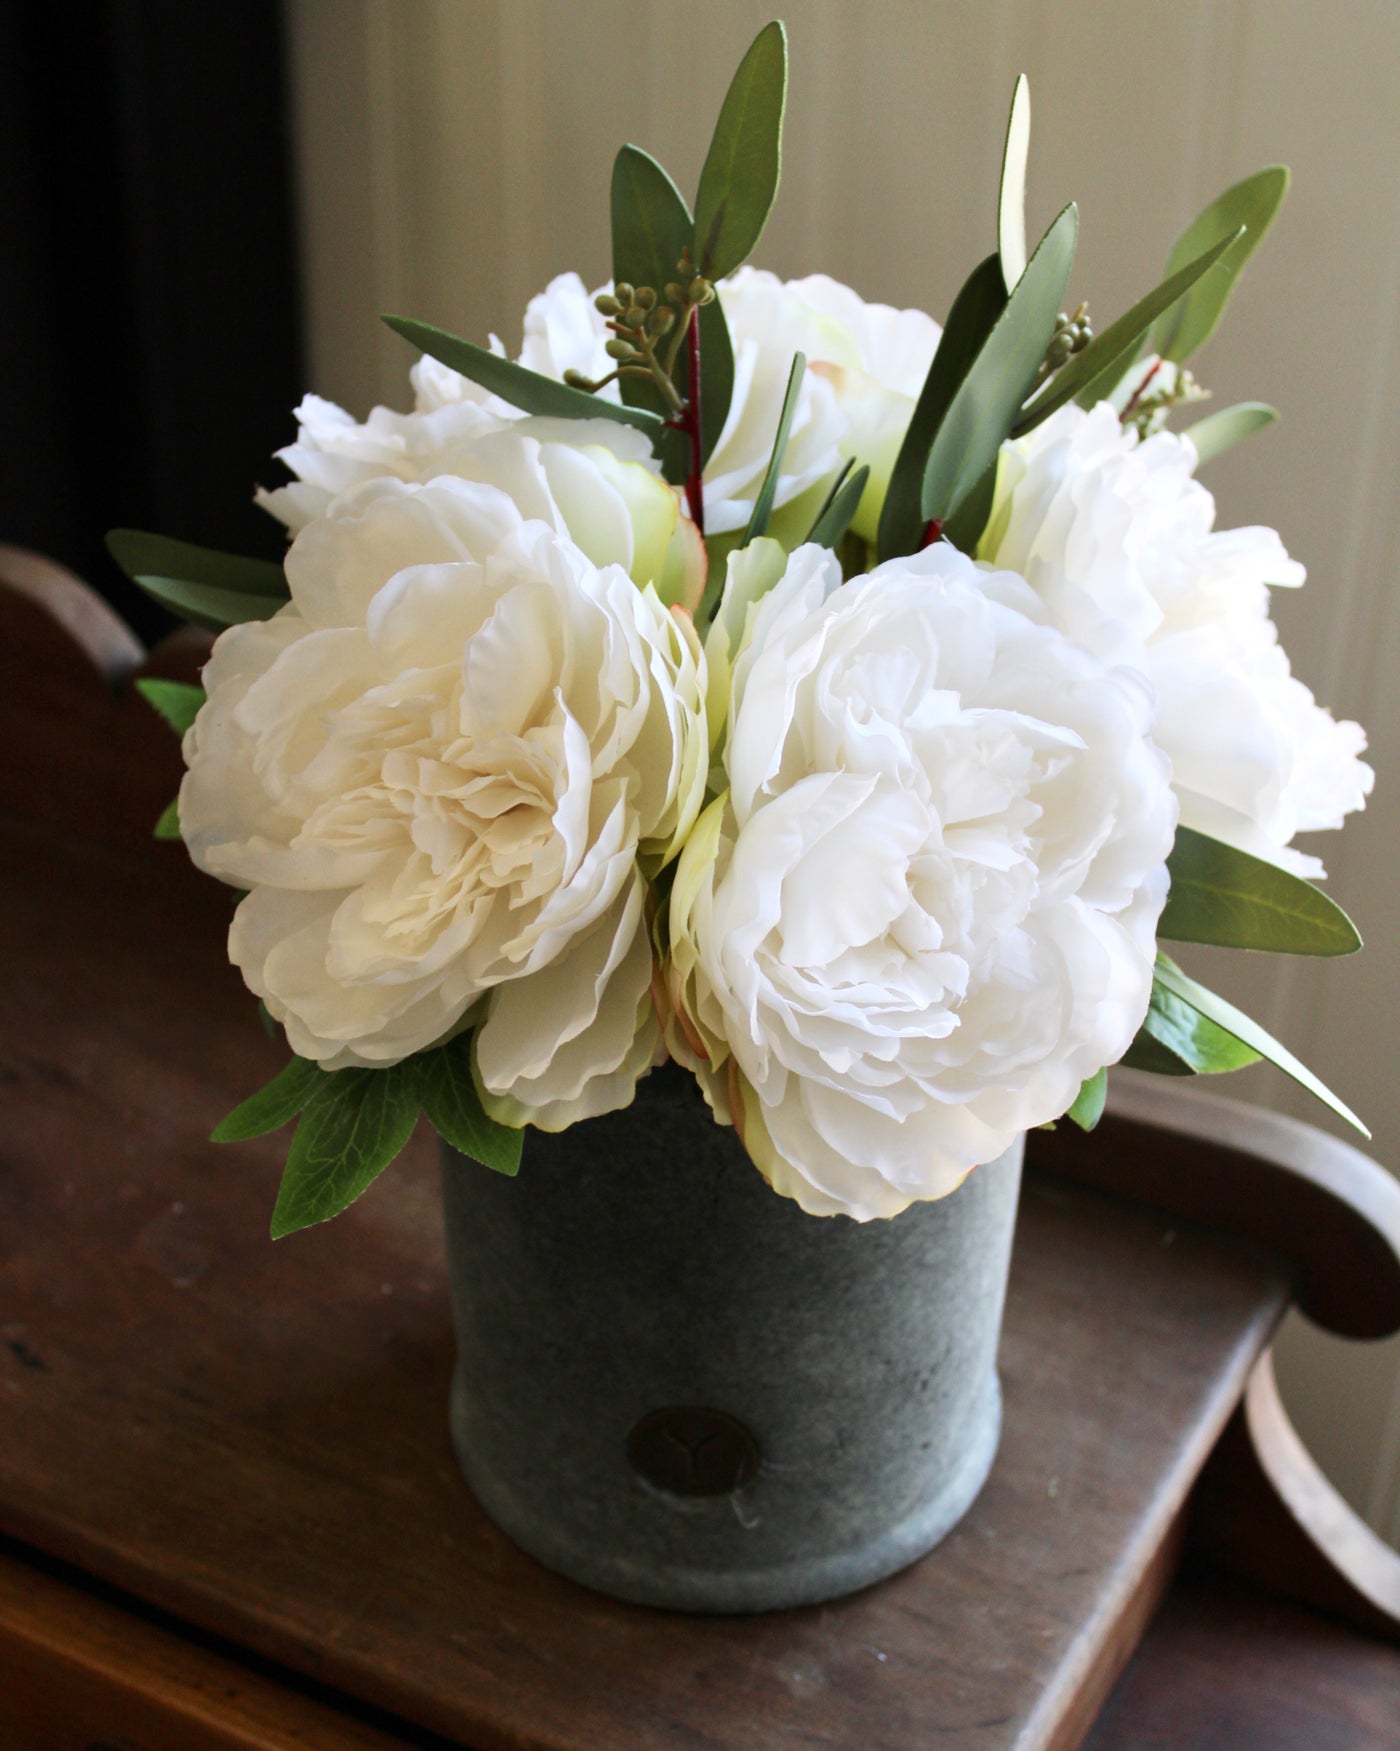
(595, 480)
(867, 363)
(1115, 537)
(925, 911)
(442, 771)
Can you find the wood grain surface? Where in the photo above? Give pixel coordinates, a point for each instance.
(76, 1670)
(254, 1437)
(1227, 1666)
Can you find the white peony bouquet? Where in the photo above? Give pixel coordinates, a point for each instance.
(751, 676)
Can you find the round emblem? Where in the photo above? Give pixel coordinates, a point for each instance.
(686, 1450)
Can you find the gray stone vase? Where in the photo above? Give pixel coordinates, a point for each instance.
(676, 1387)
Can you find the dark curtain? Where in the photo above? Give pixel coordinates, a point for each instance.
(149, 347)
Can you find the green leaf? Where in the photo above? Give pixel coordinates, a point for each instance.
(973, 316)
(202, 585)
(966, 525)
(524, 389)
(273, 1106)
(742, 168)
(1192, 1038)
(842, 503)
(353, 1125)
(1248, 1034)
(1146, 1053)
(1091, 375)
(763, 504)
(1224, 896)
(716, 375)
(651, 225)
(168, 826)
(1252, 204)
(1011, 205)
(140, 554)
(1219, 432)
(1089, 1102)
(989, 399)
(454, 1108)
(178, 702)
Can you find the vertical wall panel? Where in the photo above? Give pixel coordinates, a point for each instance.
(455, 154)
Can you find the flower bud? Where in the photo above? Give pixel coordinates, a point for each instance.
(606, 304)
(620, 349)
(624, 294)
(646, 297)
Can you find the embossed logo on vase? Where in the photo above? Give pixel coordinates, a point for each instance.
(687, 1450)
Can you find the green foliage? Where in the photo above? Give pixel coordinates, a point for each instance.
(988, 401)
(1224, 896)
(1092, 374)
(449, 1098)
(1246, 1033)
(973, 316)
(1089, 1102)
(651, 225)
(200, 584)
(1197, 1044)
(353, 1124)
(168, 826)
(966, 525)
(527, 390)
(273, 1106)
(1252, 204)
(1011, 204)
(178, 702)
(842, 502)
(740, 179)
(763, 504)
(1219, 432)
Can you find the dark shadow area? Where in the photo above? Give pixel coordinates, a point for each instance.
(150, 347)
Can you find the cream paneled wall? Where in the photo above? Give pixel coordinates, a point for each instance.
(455, 154)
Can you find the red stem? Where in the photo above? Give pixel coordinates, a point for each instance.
(932, 533)
(1126, 414)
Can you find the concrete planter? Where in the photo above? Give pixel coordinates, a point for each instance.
(676, 1387)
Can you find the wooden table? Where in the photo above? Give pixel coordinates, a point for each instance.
(229, 1511)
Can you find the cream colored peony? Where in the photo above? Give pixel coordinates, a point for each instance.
(442, 771)
(1115, 536)
(867, 363)
(925, 911)
(595, 480)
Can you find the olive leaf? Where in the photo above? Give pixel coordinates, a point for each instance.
(842, 503)
(763, 504)
(988, 401)
(1221, 431)
(522, 388)
(971, 319)
(1011, 203)
(744, 163)
(1251, 204)
(178, 702)
(1225, 896)
(651, 225)
(200, 584)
